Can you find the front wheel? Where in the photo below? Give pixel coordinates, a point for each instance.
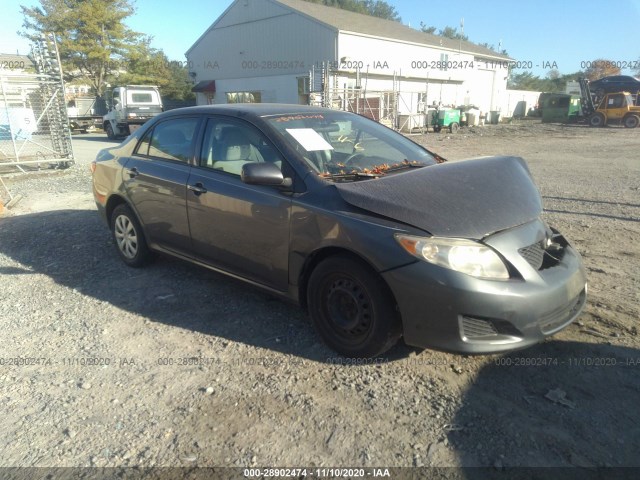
(129, 237)
(597, 120)
(352, 308)
(631, 121)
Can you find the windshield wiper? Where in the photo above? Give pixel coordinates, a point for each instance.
(353, 176)
(407, 164)
(375, 172)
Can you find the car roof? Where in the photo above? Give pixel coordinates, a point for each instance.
(618, 78)
(249, 109)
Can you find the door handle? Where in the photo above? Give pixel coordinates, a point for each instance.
(133, 172)
(198, 188)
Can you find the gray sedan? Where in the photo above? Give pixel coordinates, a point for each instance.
(376, 237)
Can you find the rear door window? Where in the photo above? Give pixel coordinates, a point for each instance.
(171, 140)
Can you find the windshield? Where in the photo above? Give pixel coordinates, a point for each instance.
(341, 146)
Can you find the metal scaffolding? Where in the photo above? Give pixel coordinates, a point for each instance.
(384, 106)
(34, 127)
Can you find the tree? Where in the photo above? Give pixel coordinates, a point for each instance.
(491, 46)
(428, 29)
(447, 32)
(381, 9)
(150, 66)
(374, 8)
(92, 37)
(452, 32)
(525, 81)
(600, 68)
(553, 81)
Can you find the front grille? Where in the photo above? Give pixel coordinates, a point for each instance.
(474, 328)
(533, 254)
(558, 318)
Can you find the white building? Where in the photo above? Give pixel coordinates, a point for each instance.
(275, 51)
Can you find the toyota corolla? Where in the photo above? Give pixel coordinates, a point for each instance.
(374, 236)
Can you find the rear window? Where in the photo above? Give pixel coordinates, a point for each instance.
(141, 98)
(170, 140)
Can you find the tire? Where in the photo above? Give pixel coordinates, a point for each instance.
(454, 127)
(129, 237)
(437, 128)
(597, 120)
(352, 308)
(109, 130)
(631, 121)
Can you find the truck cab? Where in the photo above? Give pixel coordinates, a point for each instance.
(129, 107)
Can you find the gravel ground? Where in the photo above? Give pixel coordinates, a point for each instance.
(173, 365)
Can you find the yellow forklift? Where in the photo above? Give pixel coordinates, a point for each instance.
(613, 108)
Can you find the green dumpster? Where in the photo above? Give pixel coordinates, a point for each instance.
(560, 108)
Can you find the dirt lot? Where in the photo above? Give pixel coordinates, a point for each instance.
(173, 365)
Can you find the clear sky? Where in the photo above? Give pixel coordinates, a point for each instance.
(567, 32)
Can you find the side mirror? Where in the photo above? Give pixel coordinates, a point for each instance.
(263, 173)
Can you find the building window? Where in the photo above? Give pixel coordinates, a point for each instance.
(244, 97)
(303, 90)
(444, 59)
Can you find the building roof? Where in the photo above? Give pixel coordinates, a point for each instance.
(347, 21)
(11, 61)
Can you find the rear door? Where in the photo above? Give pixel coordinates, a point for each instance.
(155, 178)
(240, 228)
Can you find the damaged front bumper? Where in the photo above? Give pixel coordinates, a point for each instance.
(447, 310)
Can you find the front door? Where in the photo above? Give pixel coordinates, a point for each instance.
(240, 228)
(615, 105)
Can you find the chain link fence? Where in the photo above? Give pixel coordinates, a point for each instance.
(34, 127)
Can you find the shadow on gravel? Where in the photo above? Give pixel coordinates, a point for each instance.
(557, 404)
(74, 248)
(584, 200)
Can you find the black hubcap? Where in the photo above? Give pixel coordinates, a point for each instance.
(348, 308)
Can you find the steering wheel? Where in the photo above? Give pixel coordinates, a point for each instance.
(352, 157)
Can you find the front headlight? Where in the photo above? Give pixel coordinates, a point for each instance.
(466, 256)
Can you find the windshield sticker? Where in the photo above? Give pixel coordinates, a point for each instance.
(310, 140)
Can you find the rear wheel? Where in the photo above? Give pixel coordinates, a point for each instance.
(631, 121)
(454, 127)
(129, 237)
(352, 308)
(597, 120)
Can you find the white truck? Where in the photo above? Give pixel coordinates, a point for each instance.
(85, 113)
(129, 107)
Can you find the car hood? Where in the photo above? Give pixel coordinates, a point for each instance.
(468, 199)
